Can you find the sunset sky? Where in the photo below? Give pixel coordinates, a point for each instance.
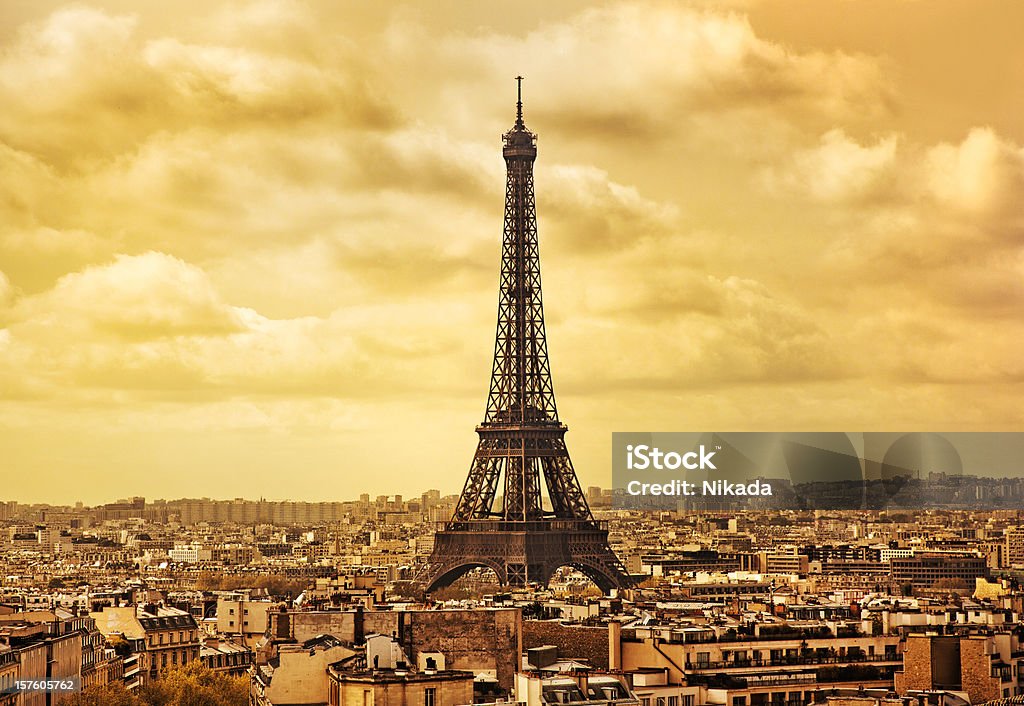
(251, 249)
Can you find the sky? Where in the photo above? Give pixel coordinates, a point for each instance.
(251, 249)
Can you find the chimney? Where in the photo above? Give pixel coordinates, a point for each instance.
(358, 636)
(583, 682)
(614, 645)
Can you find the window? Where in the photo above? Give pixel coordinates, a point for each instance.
(659, 701)
(673, 701)
(703, 658)
(367, 697)
(430, 697)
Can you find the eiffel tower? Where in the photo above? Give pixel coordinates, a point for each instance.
(521, 438)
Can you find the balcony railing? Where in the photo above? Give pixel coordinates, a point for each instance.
(730, 682)
(791, 661)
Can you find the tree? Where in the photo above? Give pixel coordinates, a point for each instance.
(407, 589)
(533, 610)
(122, 647)
(953, 585)
(105, 695)
(191, 685)
(195, 685)
(209, 581)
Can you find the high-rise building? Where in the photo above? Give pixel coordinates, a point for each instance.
(1014, 554)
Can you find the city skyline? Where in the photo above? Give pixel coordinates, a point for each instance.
(258, 244)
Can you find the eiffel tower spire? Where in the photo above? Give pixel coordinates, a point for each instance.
(521, 388)
(519, 103)
(522, 446)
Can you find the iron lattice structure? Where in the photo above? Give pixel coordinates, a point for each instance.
(522, 441)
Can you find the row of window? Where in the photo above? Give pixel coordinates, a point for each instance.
(153, 639)
(174, 659)
(686, 700)
(853, 652)
(776, 698)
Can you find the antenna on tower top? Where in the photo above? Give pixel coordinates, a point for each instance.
(519, 102)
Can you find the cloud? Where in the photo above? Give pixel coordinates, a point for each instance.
(838, 169)
(152, 326)
(84, 84)
(952, 213)
(639, 70)
(592, 212)
(25, 184)
(6, 293)
(666, 325)
(135, 297)
(982, 176)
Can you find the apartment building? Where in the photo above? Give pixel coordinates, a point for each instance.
(161, 637)
(984, 664)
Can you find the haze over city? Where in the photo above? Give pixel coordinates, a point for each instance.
(252, 249)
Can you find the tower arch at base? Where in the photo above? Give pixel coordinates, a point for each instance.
(599, 575)
(447, 575)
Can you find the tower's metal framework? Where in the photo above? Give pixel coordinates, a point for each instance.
(522, 440)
